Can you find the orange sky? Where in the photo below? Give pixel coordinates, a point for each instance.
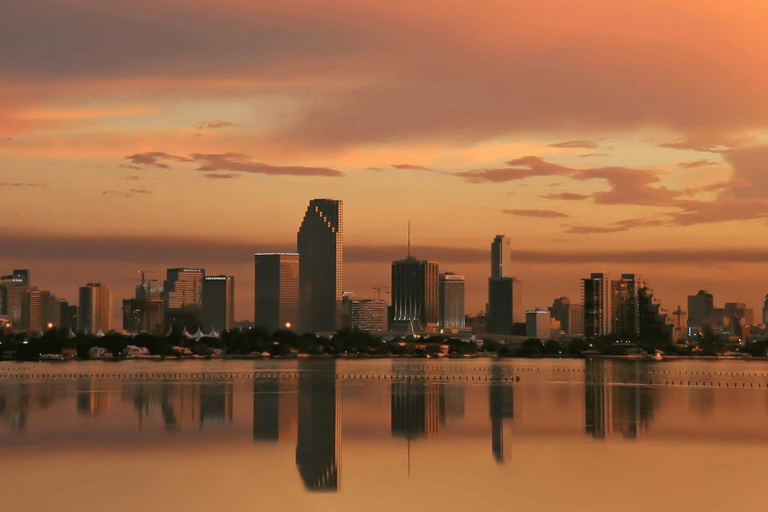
(136, 135)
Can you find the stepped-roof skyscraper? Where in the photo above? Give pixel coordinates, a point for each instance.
(320, 251)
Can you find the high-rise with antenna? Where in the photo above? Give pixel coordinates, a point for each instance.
(415, 291)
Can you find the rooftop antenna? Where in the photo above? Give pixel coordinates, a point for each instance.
(409, 239)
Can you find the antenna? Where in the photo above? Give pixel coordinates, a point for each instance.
(409, 239)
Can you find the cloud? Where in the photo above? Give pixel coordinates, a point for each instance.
(164, 250)
(592, 155)
(21, 185)
(567, 196)
(750, 171)
(213, 124)
(131, 177)
(221, 176)
(153, 158)
(696, 164)
(723, 210)
(235, 162)
(519, 169)
(239, 163)
(586, 144)
(127, 195)
(410, 167)
(547, 214)
(622, 225)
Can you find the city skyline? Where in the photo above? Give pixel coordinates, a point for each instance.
(625, 139)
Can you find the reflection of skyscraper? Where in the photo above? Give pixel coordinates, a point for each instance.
(318, 447)
(617, 400)
(320, 251)
(418, 404)
(93, 395)
(501, 407)
(215, 403)
(266, 409)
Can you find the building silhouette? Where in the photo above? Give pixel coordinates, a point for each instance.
(276, 292)
(320, 248)
(701, 308)
(318, 444)
(501, 258)
(451, 293)
(369, 315)
(415, 292)
(504, 305)
(183, 296)
(95, 308)
(625, 306)
(13, 292)
(218, 303)
(597, 304)
(570, 316)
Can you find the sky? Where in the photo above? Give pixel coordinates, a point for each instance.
(622, 137)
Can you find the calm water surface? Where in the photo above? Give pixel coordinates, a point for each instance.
(480, 434)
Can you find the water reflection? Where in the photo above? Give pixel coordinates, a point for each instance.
(501, 407)
(418, 403)
(318, 447)
(617, 398)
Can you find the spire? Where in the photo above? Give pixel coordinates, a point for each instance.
(409, 238)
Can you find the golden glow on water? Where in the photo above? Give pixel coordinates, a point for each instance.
(398, 434)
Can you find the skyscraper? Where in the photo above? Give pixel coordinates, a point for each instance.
(415, 292)
(500, 257)
(95, 309)
(451, 292)
(218, 303)
(183, 295)
(13, 293)
(276, 294)
(319, 243)
(504, 305)
(625, 312)
(700, 308)
(596, 300)
(570, 316)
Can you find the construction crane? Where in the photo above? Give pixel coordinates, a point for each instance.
(378, 291)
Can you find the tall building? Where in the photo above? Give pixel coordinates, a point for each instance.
(700, 308)
(141, 315)
(504, 305)
(320, 248)
(415, 292)
(369, 315)
(183, 296)
(765, 310)
(276, 295)
(67, 315)
(570, 316)
(95, 310)
(501, 257)
(451, 293)
(13, 293)
(597, 304)
(218, 303)
(655, 324)
(625, 312)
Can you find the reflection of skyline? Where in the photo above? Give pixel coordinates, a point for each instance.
(617, 398)
(418, 403)
(266, 409)
(94, 395)
(318, 447)
(501, 407)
